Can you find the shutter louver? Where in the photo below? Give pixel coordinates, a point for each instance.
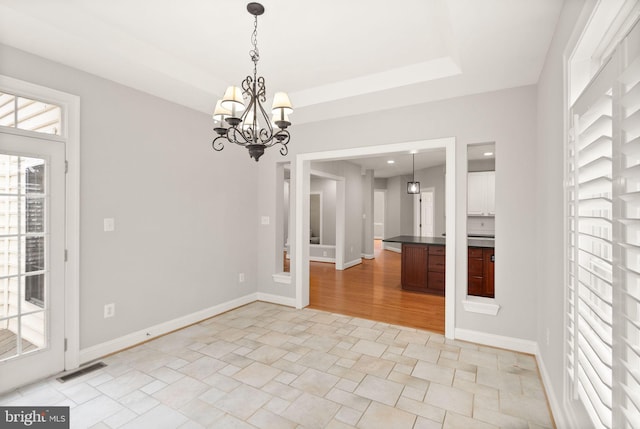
(628, 263)
(603, 242)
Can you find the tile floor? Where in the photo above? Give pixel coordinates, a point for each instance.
(268, 366)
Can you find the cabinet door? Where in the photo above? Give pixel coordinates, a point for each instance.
(489, 272)
(481, 193)
(476, 190)
(414, 267)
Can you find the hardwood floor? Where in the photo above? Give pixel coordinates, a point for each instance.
(372, 290)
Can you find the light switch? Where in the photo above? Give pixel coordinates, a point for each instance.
(109, 224)
(265, 220)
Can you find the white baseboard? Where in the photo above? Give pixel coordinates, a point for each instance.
(393, 249)
(563, 418)
(99, 350)
(352, 263)
(277, 299)
(368, 255)
(322, 259)
(500, 341)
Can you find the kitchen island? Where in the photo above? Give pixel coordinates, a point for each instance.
(423, 263)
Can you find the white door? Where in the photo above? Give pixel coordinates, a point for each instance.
(32, 234)
(423, 213)
(427, 213)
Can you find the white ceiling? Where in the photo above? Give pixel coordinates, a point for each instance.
(334, 57)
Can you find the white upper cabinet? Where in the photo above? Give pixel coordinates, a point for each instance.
(481, 194)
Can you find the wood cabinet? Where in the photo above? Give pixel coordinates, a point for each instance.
(481, 265)
(423, 268)
(481, 193)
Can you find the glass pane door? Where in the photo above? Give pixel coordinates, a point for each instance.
(24, 303)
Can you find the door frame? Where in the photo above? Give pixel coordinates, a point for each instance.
(70, 105)
(301, 177)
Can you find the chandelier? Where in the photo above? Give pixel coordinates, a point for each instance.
(249, 124)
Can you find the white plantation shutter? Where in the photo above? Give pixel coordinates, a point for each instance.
(627, 192)
(603, 196)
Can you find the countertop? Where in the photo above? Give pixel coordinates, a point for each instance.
(412, 239)
(439, 241)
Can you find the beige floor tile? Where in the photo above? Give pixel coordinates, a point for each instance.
(422, 353)
(380, 416)
(182, 391)
(257, 374)
(422, 409)
(456, 421)
(243, 401)
(315, 382)
(311, 411)
(374, 366)
(203, 367)
(378, 389)
(347, 399)
(449, 398)
(433, 373)
(265, 419)
(267, 354)
(348, 415)
(202, 412)
(264, 365)
(370, 348)
(531, 409)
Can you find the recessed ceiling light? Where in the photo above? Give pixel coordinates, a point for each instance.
(488, 153)
(391, 161)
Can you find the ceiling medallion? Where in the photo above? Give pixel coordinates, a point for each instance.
(249, 124)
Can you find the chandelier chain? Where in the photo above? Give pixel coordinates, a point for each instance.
(255, 53)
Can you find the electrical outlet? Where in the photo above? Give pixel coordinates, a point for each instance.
(241, 277)
(109, 310)
(324, 253)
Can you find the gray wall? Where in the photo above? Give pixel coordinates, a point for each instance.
(550, 282)
(328, 189)
(185, 215)
(367, 213)
(507, 117)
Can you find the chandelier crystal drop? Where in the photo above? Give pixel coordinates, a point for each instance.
(248, 124)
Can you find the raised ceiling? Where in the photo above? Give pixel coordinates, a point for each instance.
(335, 58)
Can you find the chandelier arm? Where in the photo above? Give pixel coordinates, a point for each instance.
(218, 143)
(232, 137)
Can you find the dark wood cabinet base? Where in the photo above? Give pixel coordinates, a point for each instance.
(423, 268)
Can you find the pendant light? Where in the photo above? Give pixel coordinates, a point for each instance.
(413, 187)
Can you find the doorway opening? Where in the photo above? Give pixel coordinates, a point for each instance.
(302, 171)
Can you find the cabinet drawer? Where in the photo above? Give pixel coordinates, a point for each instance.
(435, 282)
(475, 252)
(436, 263)
(476, 266)
(436, 250)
